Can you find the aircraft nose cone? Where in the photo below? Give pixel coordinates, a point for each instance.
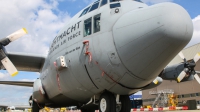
(147, 39)
(177, 23)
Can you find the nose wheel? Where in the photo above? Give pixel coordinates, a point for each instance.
(107, 103)
(103, 104)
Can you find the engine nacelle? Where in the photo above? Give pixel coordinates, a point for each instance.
(172, 72)
(39, 94)
(153, 84)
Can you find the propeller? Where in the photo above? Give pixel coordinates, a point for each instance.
(189, 68)
(4, 59)
(155, 81)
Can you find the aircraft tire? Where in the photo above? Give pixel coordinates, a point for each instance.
(35, 107)
(126, 103)
(107, 103)
(113, 102)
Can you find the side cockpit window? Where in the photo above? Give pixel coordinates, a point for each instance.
(87, 27)
(97, 23)
(84, 11)
(104, 2)
(94, 6)
(92, 25)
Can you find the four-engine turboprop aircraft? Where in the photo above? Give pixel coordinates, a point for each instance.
(108, 51)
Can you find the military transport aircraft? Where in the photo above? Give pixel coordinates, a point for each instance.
(108, 51)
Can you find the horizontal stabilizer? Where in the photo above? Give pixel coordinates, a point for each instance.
(18, 83)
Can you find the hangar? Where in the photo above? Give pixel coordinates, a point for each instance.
(189, 90)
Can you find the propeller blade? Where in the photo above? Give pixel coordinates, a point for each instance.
(181, 76)
(197, 57)
(9, 66)
(198, 72)
(155, 81)
(14, 36)
(181, 55)
(197, 78)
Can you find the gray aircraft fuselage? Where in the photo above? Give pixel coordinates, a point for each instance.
(129, 50)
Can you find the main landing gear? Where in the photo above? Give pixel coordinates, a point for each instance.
(35, 107)
(109, 103)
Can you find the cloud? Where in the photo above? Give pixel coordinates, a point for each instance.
(14, 95)
(41, 18)
(28, 80)
(4, 76)
(155, 1)
(196, 34)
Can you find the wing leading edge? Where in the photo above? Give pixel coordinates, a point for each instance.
(27, 62)
(18, 83)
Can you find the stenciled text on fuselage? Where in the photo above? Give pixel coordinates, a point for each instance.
(70, 35)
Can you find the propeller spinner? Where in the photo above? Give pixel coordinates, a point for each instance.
(189, 68)
(4, 59)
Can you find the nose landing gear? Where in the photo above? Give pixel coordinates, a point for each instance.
(109, 103)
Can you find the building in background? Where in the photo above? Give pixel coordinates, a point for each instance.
(185, 91)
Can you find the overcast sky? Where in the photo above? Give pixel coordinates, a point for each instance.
(43, 19)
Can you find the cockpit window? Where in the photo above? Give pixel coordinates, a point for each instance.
(115, 0)
(87, 27)
(97, 19)
(84, 11)
(104, 2)
(94, 6)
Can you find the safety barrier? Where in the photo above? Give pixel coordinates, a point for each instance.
(152, 109)
(147, 109)
(161, 109)
(73, 111)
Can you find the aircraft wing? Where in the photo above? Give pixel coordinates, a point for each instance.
(27, 62)
(18, 83)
